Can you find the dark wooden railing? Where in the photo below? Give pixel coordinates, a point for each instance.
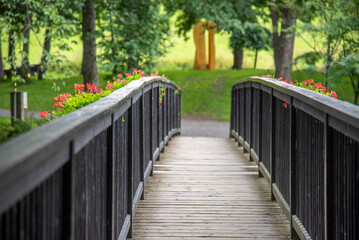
(82, 176)
(308, 152)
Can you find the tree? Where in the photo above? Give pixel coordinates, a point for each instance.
(284, 16)
(90, 74)
(254, 37)
(333, 21)
(1, 62)
(59, 20)
(347, 64)
(246, 14)
(134, 34)
(25, 66)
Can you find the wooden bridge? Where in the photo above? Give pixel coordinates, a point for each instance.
(294, 174)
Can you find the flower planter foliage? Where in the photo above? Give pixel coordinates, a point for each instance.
(89, 93)
(310, 85)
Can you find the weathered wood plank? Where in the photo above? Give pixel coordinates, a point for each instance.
(207, 188)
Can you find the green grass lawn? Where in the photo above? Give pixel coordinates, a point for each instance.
(40, 92)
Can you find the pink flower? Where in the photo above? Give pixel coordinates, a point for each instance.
(285, 105)
(281, 78)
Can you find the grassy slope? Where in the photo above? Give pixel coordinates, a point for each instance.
(208, 93)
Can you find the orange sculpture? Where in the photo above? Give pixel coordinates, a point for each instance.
(199, 41)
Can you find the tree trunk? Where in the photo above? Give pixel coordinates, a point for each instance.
(11, 54)
(255, 59)
(45, 52)
(283, 42)
(89, 65)
(1, 63)
(25, 68)
(131, 65)
(238, 58)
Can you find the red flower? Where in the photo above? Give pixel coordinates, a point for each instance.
(291, 83)
(119, 75)
(79, 87)
(160, 100)
(110, 86)
(285, 81)
(43, 114)
(135, 70)
(285, 105)
(156, 72)
(62, 97)
(58, 105)
(127, 74)
(281, 78)
(333, 94)
(152, 75)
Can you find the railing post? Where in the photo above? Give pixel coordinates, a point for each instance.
(328, 177)
(292, 164)
(250, 119)
(245, 131)
(142, 142)
(130, 166)
(259, 130)
(232, 114)
(272, 148)
(152, 149)
(68, 198)
(109, 183)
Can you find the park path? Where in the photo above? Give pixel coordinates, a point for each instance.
(28, 113)
(207, 188)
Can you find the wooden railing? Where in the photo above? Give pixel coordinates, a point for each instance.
(81, 176)
(308, 152)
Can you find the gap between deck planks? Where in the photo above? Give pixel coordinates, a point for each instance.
(207, 188)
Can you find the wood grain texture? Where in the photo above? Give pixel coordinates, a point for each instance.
(207, 188)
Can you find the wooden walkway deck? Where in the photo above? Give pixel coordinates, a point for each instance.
(207, 188)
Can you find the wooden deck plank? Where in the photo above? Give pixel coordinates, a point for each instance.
(207, 188)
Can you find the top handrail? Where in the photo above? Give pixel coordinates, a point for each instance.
(339, 109)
